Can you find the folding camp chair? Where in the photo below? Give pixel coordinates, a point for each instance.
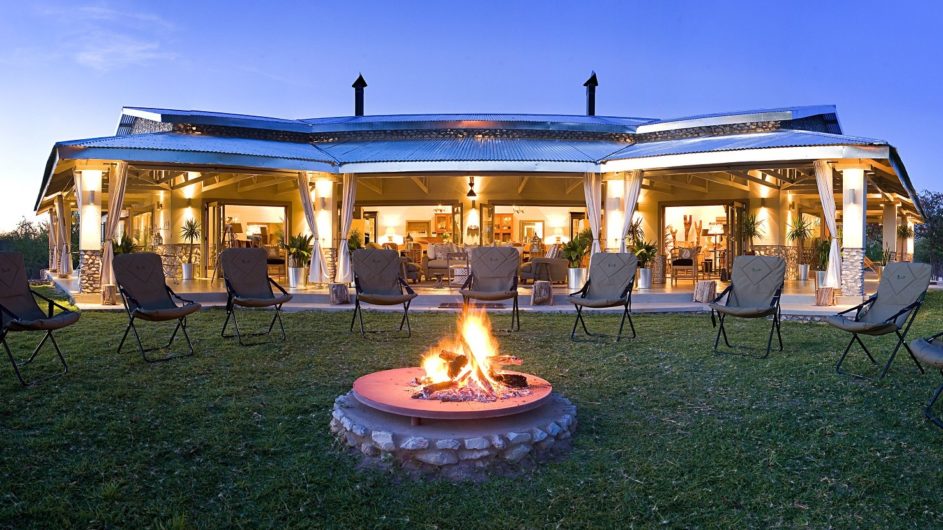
(378, 280)
(20, 312)
(931, 353)
(610, 281)
(248, 285)
(146, 296)
(493, 277)
(892, 309)
(756, 286)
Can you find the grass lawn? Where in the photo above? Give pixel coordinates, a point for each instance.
(669, 433)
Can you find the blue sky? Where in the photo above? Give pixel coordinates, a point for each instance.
(68, 67)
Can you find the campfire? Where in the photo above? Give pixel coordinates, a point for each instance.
(469, 366)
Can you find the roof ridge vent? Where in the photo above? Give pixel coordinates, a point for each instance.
(359, 85)
(591, 85)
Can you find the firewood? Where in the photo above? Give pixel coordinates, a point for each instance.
(512, 380)
(456, 365)
(507, 360)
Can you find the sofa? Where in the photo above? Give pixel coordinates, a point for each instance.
(551, 264)
(435, 259)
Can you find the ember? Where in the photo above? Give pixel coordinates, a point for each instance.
(469, 368)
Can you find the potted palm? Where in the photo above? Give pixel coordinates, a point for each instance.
(354, 240)
(904, 232)
(645, 252)
(751, 228)
(189, 232)
(124, 245)
(298, 248)
(799, 231)
(573, 251)
(820, 250)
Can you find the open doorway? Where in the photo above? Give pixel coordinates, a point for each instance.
(241, 225)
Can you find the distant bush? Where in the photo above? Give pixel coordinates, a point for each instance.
(31, 240)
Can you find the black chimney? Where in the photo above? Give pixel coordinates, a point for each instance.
(358, 85)
(591, 85)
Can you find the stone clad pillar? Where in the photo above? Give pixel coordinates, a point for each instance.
(854, 218)
(88, 191)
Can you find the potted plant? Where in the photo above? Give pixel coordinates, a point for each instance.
(298, 248)
(751, 228)
(820, 251)
(799, 231)
(190, 232)
(354, 240)
(573, 251)
(645, 252)
(904, 232)
(636, 233)
(124, 245)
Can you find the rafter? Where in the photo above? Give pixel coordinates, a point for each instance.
(422, 183)
(224, 182)
(746, 176)
(375, 187)
(729, 181)
(522, 182)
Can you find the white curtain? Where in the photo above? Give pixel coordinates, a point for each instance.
(53, 241)
(592, 190)
(344, 272)
(823, 178)
(318, 270)
(632, 182)
(117, 183)
(64, 238)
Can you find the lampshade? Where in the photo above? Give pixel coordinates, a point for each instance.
(716, 230)
(236, 228)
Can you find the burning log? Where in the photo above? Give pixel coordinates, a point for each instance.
(512, 380)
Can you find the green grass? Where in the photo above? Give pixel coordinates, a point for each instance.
(669, 435)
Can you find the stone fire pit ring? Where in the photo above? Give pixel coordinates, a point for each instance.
(455, 449)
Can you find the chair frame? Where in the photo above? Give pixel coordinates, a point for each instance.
(51, 304)
(358, 310)
(626, 313)
(694, 268)
(928, 411)
(775, 326)
(913, 308)
(515, 307)
(231, 313)
(127, 299)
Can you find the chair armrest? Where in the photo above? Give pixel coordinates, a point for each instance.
(905, 310)
(776, 297)
(468, 282)
(859, 307)
(582, 292)
(934, 337)
(405, 286)
(52, 303)
(6, 311)
(178, 297)
(277, 286)
(723, 293)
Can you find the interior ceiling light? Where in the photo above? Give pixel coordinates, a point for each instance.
(471, 188)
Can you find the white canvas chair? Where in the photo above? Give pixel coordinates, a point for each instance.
(611, 276)
(754, 292)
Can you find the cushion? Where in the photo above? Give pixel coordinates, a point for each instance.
(385, 299)
(595, 302)
(928, 352)
(863, 328)
(488, 295)
(159, 315)
(261, 302)
(744, 312)
(682, 262)
(63, 319)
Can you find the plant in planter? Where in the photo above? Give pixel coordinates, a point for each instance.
(573, 251)
(190, 232)
(298, 248)
(354, 240)
(820, 250)
(904, 233)
(645, 251)
(751, 228)
(635, 233)
(124, 245)
(799, 231)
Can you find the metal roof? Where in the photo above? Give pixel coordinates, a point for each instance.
(743, 116)
(547, 122)
(738, 142)
(469, 149)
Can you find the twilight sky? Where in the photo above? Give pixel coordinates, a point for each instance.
(69, 66)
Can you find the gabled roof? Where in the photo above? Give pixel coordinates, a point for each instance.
(826, 112)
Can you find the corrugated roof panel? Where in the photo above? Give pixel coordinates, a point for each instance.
(743, 116)
(782, 138)
(470, 148)
(169, 141)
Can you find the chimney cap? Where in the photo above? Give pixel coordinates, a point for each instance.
(592, 81)
(360, 82)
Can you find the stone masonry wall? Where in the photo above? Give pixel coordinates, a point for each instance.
(852, 272)
(90, 261)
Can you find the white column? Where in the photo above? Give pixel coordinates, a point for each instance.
(90, 212)
(889, 226)
(910, 240)
(614, 215)
(854, 218)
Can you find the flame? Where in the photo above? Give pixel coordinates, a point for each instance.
(475, 341)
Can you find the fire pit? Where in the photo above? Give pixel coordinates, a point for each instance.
(458, 414)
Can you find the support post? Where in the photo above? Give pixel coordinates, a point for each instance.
(854, 208)
(88, 191)
(889, 227)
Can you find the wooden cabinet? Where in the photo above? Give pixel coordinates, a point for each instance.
(503, 227)
(443, 223)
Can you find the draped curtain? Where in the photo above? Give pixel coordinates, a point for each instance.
(823, 179)
(117, 183)
(592, 190)
(632, 182)
(318, 270)
(53, 240)
(349, 189)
